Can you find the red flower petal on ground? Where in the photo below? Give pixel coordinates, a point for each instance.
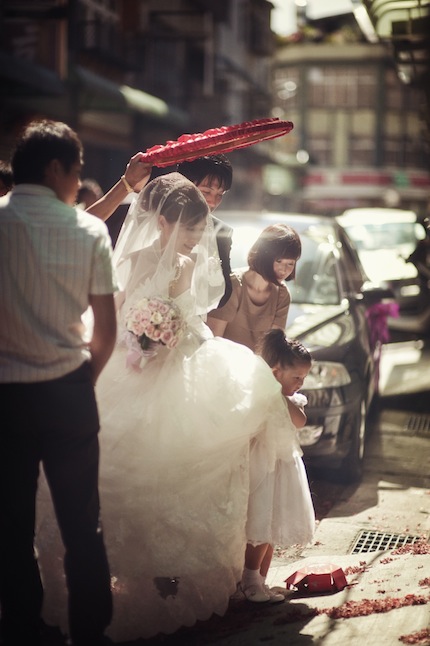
(421, 637)
(369, 606)
(420, 547)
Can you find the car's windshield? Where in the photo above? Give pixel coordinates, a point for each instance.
(383, 248)
(389, 235)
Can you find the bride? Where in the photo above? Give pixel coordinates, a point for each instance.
(176, 422)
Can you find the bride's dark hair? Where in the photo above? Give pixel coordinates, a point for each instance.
(174, 196)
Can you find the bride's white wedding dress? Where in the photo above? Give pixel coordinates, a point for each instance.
(174, 481)
(175, 438)
(174, 476)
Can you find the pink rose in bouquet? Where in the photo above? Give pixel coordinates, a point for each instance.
(154, 320)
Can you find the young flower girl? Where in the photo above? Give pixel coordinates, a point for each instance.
(280, 509)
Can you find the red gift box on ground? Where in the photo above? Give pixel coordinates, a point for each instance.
(317, 578)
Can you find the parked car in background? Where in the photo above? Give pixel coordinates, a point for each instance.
(384, 239)
(330, 296)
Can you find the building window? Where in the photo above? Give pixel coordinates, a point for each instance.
(320, 151)
(401, 96)
(393, 90)
(341, 86)
(361, 151)
(287, 87)
(393, 152)
(403, 151)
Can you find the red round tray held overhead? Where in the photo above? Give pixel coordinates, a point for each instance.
(215, 141)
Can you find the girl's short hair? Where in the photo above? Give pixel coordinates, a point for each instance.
(274, 242)
(277, 349)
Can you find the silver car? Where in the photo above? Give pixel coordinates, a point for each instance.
(384, 239)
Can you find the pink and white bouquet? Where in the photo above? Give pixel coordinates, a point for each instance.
(155, 320)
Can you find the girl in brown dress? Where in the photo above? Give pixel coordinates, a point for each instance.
(260, 299)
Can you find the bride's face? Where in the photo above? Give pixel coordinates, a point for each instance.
(188, 234)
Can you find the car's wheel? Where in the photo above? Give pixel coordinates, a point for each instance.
(351, 467)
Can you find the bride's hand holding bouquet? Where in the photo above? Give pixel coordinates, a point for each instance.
(149, 322)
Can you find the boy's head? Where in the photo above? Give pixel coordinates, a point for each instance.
(89, 192)
(212, 174)
(289, 359)
(49, 153)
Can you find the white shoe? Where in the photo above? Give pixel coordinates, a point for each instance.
(256, 594)
(274, 596)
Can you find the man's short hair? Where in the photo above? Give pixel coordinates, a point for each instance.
(212, 166)
(40, 143)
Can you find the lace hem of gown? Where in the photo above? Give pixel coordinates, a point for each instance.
(174, 480)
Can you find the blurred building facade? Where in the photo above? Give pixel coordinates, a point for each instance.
(130, 74)
(361, 114)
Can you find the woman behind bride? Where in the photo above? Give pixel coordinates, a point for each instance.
(176, 421)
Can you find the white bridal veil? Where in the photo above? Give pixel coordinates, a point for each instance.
(143, 264)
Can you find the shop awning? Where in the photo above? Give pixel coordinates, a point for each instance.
(97, 93)
(23, 78)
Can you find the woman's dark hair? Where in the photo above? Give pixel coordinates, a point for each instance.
(213, 166)
(274, 242)
(276, 349)
(40, 143)
(174, 196)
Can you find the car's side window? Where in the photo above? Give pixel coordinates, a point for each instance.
(325, 290)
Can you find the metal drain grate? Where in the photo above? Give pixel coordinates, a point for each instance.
(370, 541)
(419, 425)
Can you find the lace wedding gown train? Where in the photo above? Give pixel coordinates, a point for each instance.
(174, 477)
(174, 481)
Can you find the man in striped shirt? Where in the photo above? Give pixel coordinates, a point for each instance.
(55, 263)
